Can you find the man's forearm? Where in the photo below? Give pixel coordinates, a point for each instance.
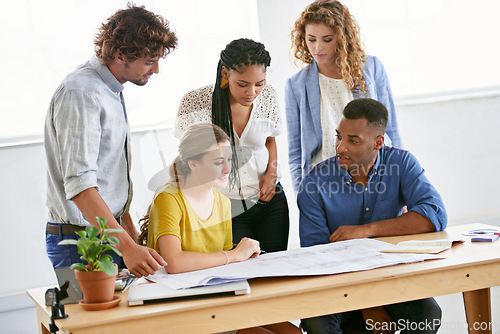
(128, 226)
(272, 164)
(408, 223)
(92, 205)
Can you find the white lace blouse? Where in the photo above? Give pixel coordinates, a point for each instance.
(334, 97)
(253, 156)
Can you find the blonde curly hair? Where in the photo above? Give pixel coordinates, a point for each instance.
(351, 56)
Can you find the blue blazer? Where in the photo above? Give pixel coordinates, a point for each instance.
(303, 113)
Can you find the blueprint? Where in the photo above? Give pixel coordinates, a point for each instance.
(334, 258)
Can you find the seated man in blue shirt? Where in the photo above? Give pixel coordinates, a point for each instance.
(361, 193)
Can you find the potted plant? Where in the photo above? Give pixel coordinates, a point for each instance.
(97, 277)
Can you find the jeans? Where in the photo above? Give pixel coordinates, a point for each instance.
(414, 317)
(268, 223)
(66, 255)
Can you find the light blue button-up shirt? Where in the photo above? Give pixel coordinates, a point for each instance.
(328, 197)
(87, 143)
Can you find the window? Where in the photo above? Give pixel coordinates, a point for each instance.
(42, 41)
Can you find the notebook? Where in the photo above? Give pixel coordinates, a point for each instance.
(141, 294)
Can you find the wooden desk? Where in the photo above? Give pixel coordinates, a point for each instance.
(471, 268)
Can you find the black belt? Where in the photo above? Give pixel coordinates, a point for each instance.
(68, 228)
(65, 229)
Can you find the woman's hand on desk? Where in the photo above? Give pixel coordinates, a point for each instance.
(246, 248)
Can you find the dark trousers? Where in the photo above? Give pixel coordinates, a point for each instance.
(414, 317)
(268, 223)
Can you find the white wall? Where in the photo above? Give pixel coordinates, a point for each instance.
(57, 35)
(428, 47)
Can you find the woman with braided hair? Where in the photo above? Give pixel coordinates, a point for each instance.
(246, 108)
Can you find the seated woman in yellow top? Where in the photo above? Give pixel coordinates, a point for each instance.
(189, 222)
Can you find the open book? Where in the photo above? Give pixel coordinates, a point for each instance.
(422, 246)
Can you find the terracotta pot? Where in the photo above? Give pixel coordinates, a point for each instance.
(97, 286)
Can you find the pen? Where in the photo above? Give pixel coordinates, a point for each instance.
(484, 232)
(129, 283)
(261, 251)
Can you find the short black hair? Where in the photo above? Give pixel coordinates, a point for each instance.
(374, 111)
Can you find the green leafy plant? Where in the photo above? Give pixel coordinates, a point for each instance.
(92, 244)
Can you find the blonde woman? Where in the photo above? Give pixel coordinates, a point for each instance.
(326, 40)
(189, 221)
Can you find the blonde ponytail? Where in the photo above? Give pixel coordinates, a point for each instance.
(195, 142)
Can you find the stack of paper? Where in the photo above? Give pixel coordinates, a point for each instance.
(422, 246)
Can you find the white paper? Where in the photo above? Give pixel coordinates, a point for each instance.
(423, 246)
(333, 258)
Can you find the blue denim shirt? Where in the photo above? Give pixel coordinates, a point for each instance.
(87, 143)
(328, 197)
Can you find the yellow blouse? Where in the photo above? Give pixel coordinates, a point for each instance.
(172, 214)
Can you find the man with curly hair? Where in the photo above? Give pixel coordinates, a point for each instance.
(87, 137)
